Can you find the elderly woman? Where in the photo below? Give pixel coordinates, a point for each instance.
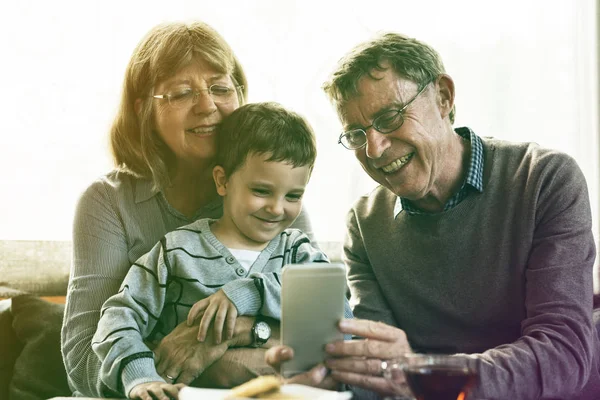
(181, 81)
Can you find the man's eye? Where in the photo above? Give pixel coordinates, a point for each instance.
(355, 137)
(220, 90)
(181, 94)
(388, 119)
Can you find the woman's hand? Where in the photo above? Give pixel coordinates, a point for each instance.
(221, 308)
(155, 390)
(358, 362)
(316, 377)
(179, 354)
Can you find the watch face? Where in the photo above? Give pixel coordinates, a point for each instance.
(263, 331)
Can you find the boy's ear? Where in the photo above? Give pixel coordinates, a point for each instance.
(220, 179)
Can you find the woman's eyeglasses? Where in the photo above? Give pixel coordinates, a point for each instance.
(187, 97)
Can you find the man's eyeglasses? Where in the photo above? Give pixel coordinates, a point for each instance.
(187, 97)
(387, 122)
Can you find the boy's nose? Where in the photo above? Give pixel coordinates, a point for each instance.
(275, 207)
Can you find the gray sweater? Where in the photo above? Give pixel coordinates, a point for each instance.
(118, 219)
(187, 265)
(505, 275)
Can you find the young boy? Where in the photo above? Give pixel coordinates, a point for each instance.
(264, 160)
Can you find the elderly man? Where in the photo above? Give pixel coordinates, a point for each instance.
(469, 245)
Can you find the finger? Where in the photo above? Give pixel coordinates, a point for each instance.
(172, 390)
(314, 377)
(278, 354)
(220, 316)
(162, 365)
(367, 348)
(171, 377)
(187, 376)
(371, 330)
(359, 365)
(158, 393)
(374, 383)
(139, 394)
(195, 311)
(329, 383)
(205, 322)
(144, 396)
(231, 320)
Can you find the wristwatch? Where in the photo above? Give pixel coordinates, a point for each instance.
(261, 332)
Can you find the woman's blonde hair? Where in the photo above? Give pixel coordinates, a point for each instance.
(135, 144)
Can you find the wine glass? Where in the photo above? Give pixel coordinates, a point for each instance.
(432, 376)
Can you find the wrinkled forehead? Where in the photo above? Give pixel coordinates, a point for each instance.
(375, 93)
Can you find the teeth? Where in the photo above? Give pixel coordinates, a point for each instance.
(396, 165)
(202, 130)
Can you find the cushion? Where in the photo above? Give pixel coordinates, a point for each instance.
(39, 372)
(10, 347)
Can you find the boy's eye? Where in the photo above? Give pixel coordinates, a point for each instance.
(294, 197)
(260, 192)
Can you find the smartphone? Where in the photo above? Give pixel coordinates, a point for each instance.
(312, 304)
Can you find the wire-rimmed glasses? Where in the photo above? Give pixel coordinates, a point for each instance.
(386, 122)
(187, 97)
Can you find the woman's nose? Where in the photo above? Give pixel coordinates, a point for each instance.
(204, 103)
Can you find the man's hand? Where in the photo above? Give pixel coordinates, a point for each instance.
(221, 308)
(155, 390)
(180, 356)
(358, 362)
(316, 377)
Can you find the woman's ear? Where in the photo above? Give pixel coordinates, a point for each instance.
(220, 179)
(445, 94)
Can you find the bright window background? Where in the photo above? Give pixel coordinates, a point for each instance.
(524, 70)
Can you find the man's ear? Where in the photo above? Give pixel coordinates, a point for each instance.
(220, 179)
(445, 94)
(138, 107)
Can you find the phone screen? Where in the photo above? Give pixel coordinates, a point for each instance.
(312, 305)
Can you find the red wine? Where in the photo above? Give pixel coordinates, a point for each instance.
(439, 382)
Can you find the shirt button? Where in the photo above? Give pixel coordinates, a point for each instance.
(241, 271)
(230, 260)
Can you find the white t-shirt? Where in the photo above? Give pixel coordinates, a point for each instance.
(245, 257)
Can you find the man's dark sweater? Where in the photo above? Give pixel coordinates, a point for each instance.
(505, 275)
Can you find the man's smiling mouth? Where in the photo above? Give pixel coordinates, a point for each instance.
(397, 164)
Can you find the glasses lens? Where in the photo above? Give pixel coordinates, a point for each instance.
(388, 121)
(181, 98)
(221, 94)
(354, 139)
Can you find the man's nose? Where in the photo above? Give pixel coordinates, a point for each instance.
(377, 143)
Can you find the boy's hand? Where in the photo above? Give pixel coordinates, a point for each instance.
(156, 390)
(221, 308)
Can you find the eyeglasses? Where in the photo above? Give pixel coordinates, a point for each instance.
(187, 97)
(387, 122)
